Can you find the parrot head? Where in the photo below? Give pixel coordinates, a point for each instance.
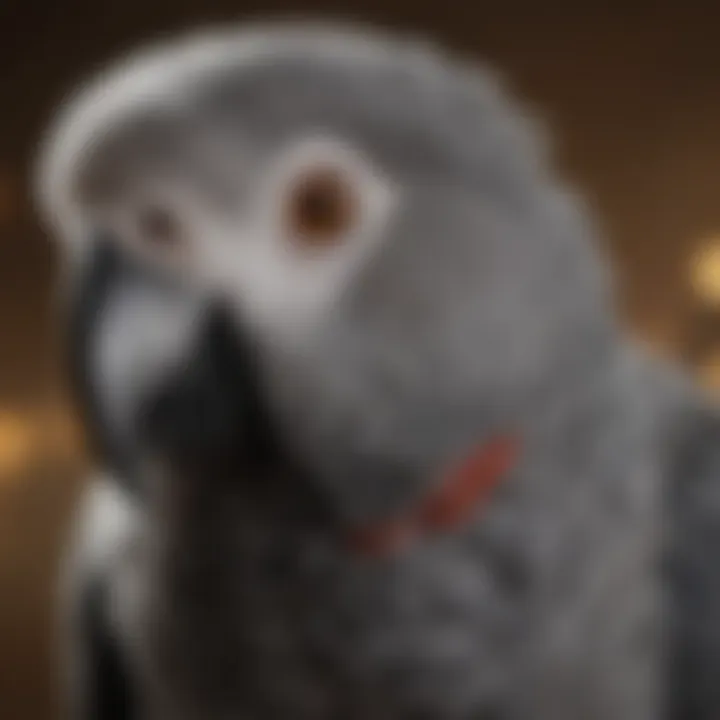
(380, 222)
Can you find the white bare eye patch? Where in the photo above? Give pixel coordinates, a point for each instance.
(252, 256)
(271, 265)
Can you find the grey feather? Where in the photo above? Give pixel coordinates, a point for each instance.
(484, 307)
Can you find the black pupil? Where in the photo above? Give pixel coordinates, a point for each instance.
(157, 225)
(319, 206)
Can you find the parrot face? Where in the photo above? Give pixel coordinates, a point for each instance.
(378, 218)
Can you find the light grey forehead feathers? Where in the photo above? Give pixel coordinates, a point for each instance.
(417, 111)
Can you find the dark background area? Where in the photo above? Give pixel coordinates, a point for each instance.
(631, 92)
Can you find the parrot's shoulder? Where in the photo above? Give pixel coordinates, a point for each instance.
(689, 447)
(689, 433)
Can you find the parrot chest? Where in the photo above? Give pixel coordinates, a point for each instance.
(281, 623)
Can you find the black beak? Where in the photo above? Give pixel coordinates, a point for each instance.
(207, 413)
(92, 287)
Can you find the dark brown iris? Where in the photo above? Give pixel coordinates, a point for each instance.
(158, 227)
(321, 208)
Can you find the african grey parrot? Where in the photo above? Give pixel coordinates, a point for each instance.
(375, 444)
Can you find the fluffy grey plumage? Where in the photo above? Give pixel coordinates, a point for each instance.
(464, 299)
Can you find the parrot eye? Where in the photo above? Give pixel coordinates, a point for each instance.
(321, 207)
(158, 227)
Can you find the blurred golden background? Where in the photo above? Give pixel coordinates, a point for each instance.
(631, 91)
